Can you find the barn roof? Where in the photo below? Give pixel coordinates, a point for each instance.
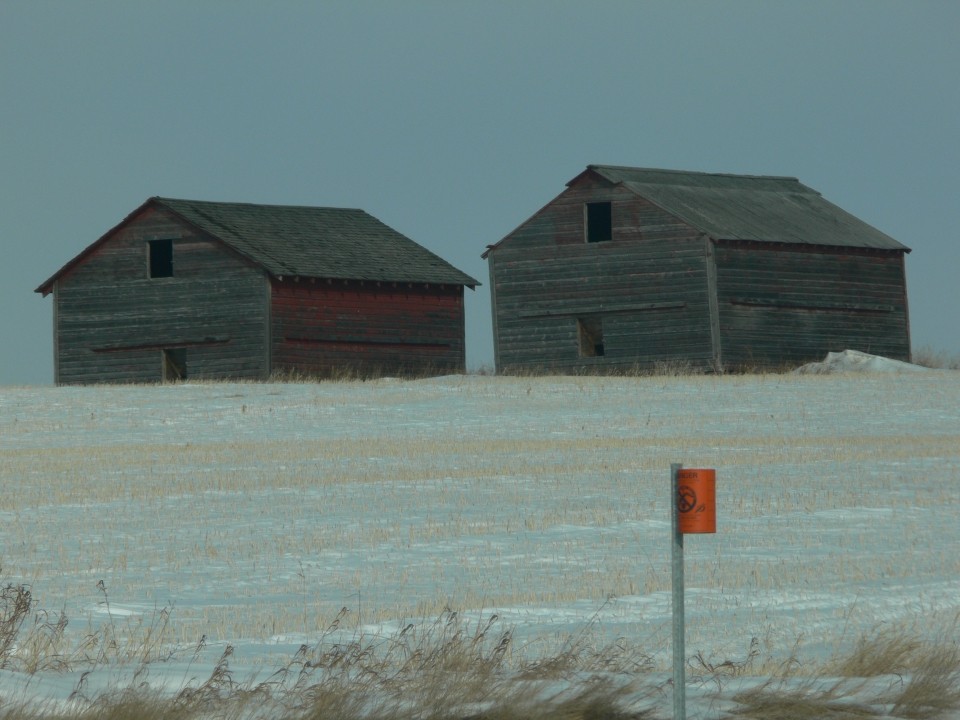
(341, 243)
(748, 207)
(296, 241)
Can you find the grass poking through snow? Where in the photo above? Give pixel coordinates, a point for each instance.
(455, 669)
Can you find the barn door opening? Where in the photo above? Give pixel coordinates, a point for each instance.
(590, 335)
(174, 364)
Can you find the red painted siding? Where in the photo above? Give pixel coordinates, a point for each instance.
(321, 327)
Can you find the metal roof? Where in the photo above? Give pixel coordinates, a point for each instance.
(338, 243)
(748, 207)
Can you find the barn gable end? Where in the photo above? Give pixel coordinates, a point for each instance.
(708, 270)
(114, 322)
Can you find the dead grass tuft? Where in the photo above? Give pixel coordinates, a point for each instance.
(936, 359)
(772, 701)
(924, 684)
(884, 652)
(934, 686)
(16, 602)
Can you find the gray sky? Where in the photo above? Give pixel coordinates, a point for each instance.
(453, 122)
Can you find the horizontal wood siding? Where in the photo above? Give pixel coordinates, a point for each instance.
(783, 306)
(351, 328)
(113, 321)
(647, 286)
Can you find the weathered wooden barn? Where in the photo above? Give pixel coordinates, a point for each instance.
(187, 289)
(630, 267)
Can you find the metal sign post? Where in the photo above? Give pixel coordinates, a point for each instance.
(676, 558)
(692, 510)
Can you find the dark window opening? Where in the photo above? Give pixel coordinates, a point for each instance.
(590, 334)
(161, 258)
(174, 364)
(599, 222)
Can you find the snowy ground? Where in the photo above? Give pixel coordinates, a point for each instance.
(252, 513)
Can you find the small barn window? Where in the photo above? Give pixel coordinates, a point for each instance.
(160, 258)
(599, 222)
(174, 364)
(590, 336)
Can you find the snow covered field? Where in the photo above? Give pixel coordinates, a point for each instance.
(251, 514)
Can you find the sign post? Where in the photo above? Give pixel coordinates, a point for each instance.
(676, 558)
(692, 510)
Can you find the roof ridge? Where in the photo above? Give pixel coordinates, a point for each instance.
(596, 166)
(225, 203)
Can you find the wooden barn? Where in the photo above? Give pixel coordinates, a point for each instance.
(188, 289)
(631, 267)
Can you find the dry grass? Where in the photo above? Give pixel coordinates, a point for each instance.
(449, 668)
(937, 359)
(677, 367)
(934, 686)
(884, 652)
(364, 372)
(454, 669)
(34, 641)
(890, 672)
(772, 702)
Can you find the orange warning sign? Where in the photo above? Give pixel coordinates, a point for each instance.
(697, 500)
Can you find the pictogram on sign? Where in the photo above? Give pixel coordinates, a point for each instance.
(686, 498)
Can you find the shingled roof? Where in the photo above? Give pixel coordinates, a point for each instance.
(748, 207)
(339, 243)
(296, 241)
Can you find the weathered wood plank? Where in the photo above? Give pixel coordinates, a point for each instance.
(784, 305)
(113, 319)
(646, 282)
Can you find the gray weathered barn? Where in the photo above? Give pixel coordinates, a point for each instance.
(188, 289)
(629, 267)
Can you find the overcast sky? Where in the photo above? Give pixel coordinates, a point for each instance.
(453, 122)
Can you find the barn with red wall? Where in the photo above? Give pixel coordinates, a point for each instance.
(184, 289)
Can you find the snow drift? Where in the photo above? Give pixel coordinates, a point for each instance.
(856, 361)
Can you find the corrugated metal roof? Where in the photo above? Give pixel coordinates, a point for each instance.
(338, 243)
(749, 207)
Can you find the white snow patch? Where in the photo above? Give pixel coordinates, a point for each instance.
(850, 361)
